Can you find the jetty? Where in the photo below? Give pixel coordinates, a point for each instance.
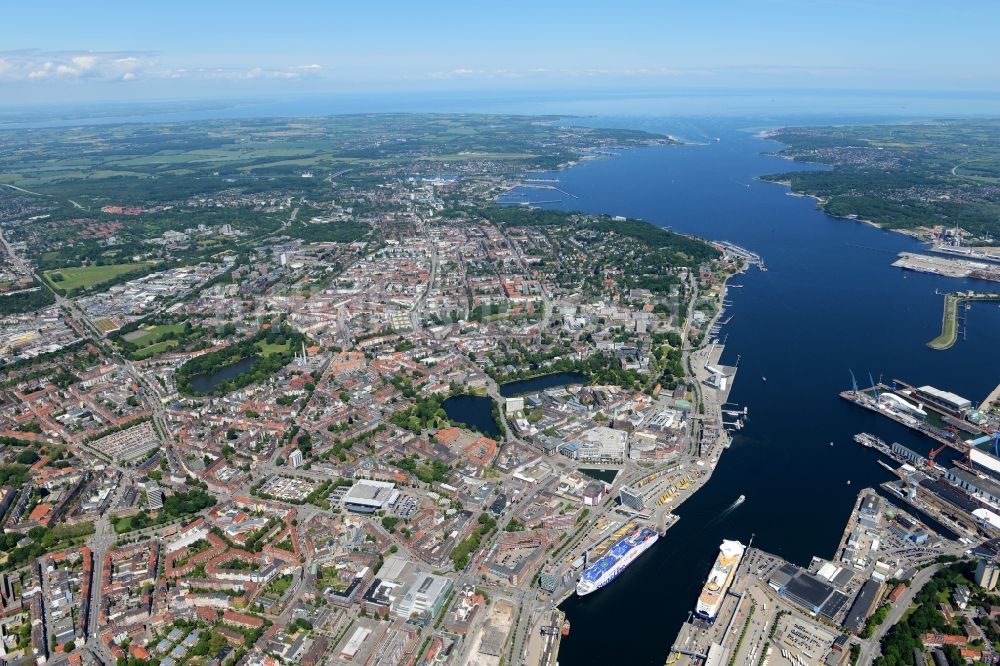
(952, 316)
(751, 258)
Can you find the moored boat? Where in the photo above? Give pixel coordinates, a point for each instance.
(719, 580)
(620, 555)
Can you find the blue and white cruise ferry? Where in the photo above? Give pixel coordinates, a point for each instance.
(619, 556)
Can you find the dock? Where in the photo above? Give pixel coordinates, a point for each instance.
(541, 186)
(922, 263)
(987, 254)
(862, 398)
(952, 316)
(751, 258)
(948, 267)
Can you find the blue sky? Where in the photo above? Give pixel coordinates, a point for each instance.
(61, 51)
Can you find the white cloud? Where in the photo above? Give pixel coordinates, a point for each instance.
(84, 63)
(33, 64)
(238, 74)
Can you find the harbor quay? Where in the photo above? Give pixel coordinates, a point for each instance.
(756, 607)
(941, 415)
(638, 504)
(776, 612)
(644, 498)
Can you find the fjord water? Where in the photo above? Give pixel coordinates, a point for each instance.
(829, 301)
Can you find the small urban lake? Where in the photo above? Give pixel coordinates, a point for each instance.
(474, 411)
(206, 383)
(536, 384)
(606, 475)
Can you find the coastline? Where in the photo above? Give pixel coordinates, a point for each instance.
(762, 450)
(665, 140)
(821, 201)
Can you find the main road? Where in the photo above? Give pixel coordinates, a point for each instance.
(870, 647)
(417, 313)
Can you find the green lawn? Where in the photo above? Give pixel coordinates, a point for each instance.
(278, 586)
(150, 334)
(268, 349)
(123, 524)
(154, 349)
(150, 340)
(69, 280)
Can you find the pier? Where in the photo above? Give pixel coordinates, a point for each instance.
(751, 258)
(989, 254)
(541, 186)
(862, 399)
(952, 316)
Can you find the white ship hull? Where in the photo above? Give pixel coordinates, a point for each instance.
(719, 580)
(585, 587)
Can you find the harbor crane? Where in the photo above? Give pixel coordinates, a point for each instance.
(874, 386)
(934, 452)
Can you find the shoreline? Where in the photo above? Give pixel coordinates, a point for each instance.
(697, 470)
(735, 637)
(821, 201)
(667, 140)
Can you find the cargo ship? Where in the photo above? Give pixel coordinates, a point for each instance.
(719, 580)
(623, 553)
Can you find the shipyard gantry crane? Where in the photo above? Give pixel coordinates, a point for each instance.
(934, 452)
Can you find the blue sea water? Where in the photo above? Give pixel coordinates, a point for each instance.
(829, 301)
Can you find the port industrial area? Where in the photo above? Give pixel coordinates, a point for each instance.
(758, 608)
(770, 611)
(766, 610)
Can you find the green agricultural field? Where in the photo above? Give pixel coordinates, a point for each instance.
(72, 280)
(139, 163)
